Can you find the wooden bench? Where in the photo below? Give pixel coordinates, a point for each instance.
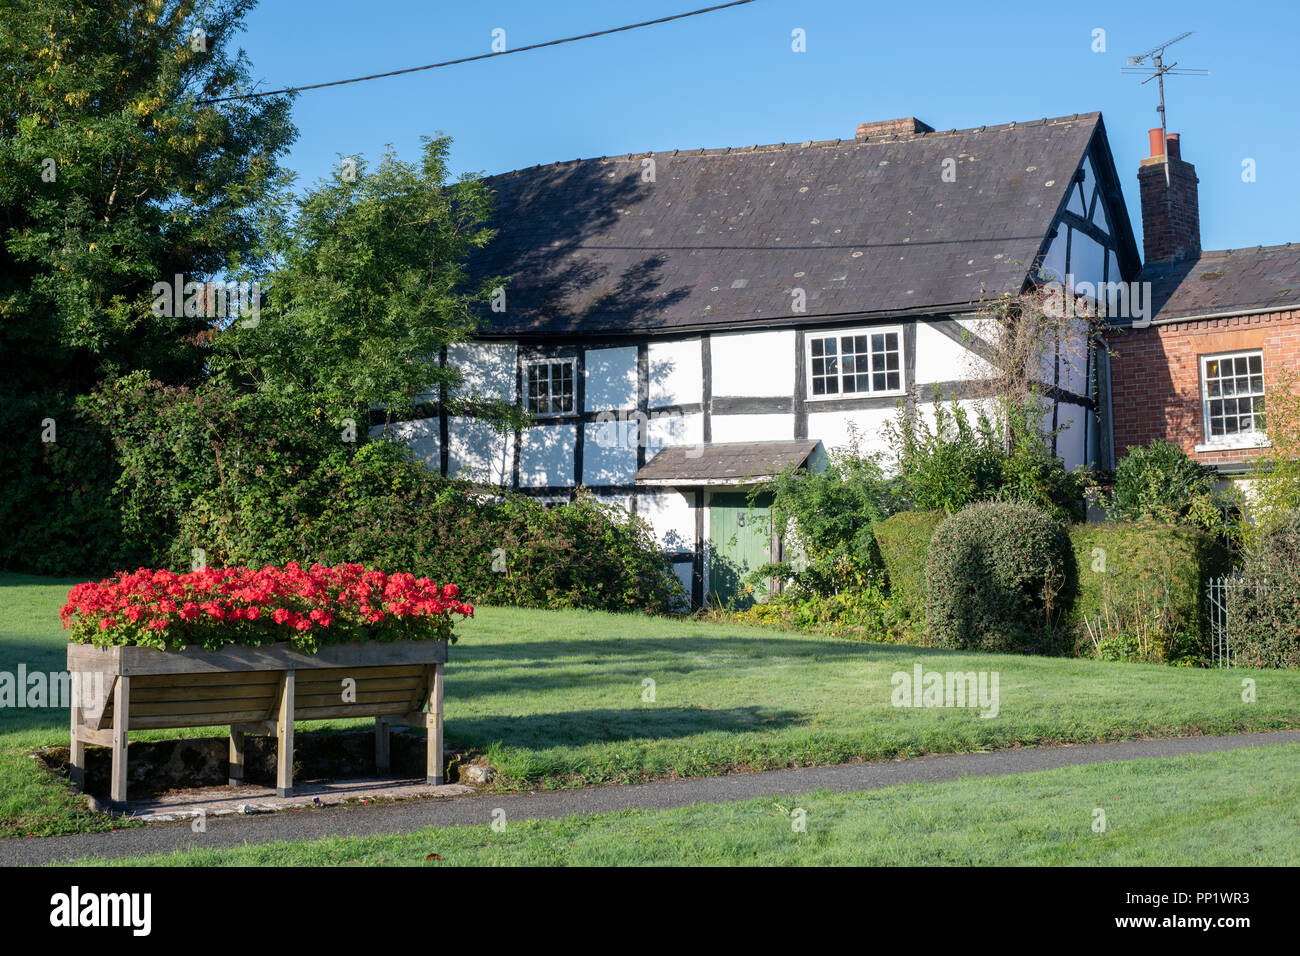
(253, 690)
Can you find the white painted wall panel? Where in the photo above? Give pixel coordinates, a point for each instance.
(676, 373)
(1087, 259)
(753, 427)
(1070, 446)
(1072, 372)
(477, 452)
(609, 451)
(618, 501)
(833, 428)
(665, 430)
(753, 364)
(940, 359)
(611, 378)
(1053, 268)
(973, 366)
(486, 367)
(671, 515)
(546, 456)
(685, 573)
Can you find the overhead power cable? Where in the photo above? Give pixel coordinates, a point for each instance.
(481, 56)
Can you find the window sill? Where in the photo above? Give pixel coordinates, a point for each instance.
(851, 396)
(1238, 445)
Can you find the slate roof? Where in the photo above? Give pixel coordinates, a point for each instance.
(1231, 280)
(722, 236)
(726, 463)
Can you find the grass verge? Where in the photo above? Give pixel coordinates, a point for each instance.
(1237, 808)
(572, 698)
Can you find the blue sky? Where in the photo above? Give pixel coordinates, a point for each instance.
(730, 78)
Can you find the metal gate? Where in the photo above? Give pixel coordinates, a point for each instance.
(1222, 653)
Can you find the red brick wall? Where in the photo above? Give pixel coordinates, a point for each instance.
(1156, 376)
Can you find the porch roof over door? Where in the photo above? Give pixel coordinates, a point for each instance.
(728, 463)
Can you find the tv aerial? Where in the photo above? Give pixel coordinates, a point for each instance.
(1156, 70)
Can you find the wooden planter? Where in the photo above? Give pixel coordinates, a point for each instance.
(254, 690)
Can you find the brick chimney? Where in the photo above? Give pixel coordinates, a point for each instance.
(1171, 211)
(905, 126)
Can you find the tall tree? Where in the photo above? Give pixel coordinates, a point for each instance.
(114, 176)
(367, 291)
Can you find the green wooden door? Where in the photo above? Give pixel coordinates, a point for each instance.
(740, 538)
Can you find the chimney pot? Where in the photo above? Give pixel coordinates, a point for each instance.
(1157, 137)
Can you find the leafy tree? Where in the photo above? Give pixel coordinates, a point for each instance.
(113, 177)
(370, 288)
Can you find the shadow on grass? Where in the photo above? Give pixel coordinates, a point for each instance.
(595, 650)
(650, 722)
(548, 665)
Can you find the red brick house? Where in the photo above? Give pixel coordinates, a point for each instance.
(1221, 325)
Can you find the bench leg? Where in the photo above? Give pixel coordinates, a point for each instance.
(121, 719)
(383, 750)
(236, 757)
(77, 749)
(284, 738)
(435, 765)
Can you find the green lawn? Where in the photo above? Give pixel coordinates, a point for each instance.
(556, 699)
(1238, 808)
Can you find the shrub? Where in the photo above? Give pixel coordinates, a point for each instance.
(502, 548)
(1265, 612)
(948, 464)
(957, 461)
(1033, 474)
(214, 607)
(865, 613)
(264, 478)
(1159, 483)
(1140, 590)
(994, 574)
(904, 541)
(827, 517)
(60, 515)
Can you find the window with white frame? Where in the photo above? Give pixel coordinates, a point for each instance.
(549, 387)
(856, 362)
(1232, 393)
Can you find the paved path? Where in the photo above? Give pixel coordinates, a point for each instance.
(404, 817)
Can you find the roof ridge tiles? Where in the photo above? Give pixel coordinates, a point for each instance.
(805, 144)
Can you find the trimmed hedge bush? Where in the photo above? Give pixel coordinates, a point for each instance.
(1266, 619)
(1141, 587)
(995, 577)
(904, 542)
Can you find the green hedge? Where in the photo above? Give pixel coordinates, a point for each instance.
(1264, 617)
(996, 572)
(904, 541)
(1148, 570)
